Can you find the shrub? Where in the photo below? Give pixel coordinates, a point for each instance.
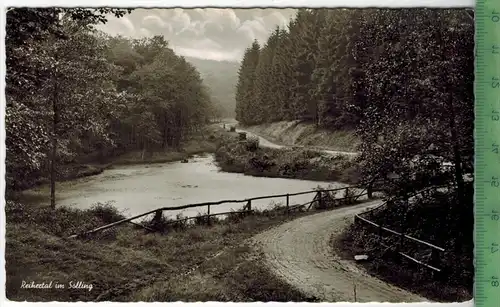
(62, 221)
(350, 196)
(260, 163)
(235, 217)
(252, 143)
(106, 212)
(419, 219)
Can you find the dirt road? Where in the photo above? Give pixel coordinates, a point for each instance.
(263, 142)
(300, 252)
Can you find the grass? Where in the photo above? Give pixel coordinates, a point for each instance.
(197, 263)
(187, 263)
(454, 284)
(298, 163)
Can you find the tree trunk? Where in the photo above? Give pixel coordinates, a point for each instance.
(164, 131)
(316, 113)
(457, 160)
(456, 211)
(201, 131)
(55, 119)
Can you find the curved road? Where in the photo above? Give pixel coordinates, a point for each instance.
(301, 254)
(266, 143)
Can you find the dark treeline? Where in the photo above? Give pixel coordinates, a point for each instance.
(330, 65)
(402, 79)
(74, 93)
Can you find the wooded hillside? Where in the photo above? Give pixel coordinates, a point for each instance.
(402, 79)
(74, 92)
(220, 77)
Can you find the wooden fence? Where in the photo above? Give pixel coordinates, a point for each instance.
(324, 198)
(436, 251)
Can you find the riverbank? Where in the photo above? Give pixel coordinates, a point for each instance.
(298, 163)
(297, 133)
(206, 142)
(454, 283)
(126, 264)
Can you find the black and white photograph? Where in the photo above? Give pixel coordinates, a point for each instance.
(239, 154)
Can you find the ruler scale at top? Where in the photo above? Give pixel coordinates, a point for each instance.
(487, 155)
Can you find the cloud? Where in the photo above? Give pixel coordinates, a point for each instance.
(255, 29)
(128, 24)
(156, 22)
(220, 33)
(180, 20)
(276, 18)
(222, 16)
(145, 32)
(120, 26)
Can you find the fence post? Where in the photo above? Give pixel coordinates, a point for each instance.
(249, 205)
(355, 298)
(320, 200)
(157, 219)
(434, 258)
(287, 204)
(402, 240)
(369, 190)
(347, 200)
(208, 215)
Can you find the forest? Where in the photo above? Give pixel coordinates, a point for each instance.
(402, 79)
(73, 92)
(220, 77)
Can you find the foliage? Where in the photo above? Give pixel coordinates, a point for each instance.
(63, 221)
(245, 99)
(220, 77)
(131, 265)
(252, 143)
(238, 156)
(75, 94)
(402, 79)
(419, 219)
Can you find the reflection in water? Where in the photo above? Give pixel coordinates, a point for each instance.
(139, 188)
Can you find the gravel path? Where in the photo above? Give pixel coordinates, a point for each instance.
(300, 252)
(263, 142)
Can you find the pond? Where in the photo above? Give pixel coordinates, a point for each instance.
(136, 189)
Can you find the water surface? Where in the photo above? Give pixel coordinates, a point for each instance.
(136, 189)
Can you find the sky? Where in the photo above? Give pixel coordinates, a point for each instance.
(209, 33)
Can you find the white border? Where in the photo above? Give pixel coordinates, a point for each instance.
(248, 3)
(187, 4)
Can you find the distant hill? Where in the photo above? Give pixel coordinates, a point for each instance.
(221, 78)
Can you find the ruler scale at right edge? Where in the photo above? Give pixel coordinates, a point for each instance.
(487, 154)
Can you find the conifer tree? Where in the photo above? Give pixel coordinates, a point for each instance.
(245, 88)
(265, 81)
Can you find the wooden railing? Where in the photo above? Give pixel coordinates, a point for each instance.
(322, 196)
(435, 250)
